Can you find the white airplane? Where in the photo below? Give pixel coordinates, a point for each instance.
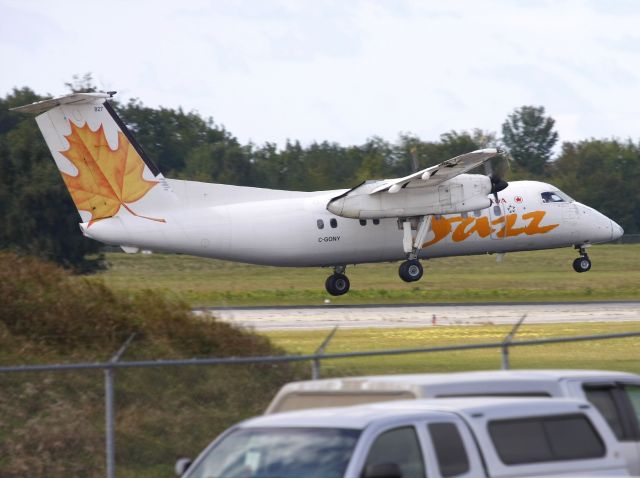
(124, 200)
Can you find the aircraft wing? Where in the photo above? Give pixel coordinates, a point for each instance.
(434, 175)
(421, 193)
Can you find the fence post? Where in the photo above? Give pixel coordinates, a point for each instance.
(315, 363)
(507, 340)
(109, 410)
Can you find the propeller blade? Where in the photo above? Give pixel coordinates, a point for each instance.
(497, 176)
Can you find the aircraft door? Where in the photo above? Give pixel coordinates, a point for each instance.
(569, 215)
(444, 195)
(497, 219)
(449, 194)
(569, 212)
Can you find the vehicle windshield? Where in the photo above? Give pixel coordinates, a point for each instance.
(279, 453)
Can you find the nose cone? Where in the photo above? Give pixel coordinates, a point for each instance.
(616, 231)
(594, 227)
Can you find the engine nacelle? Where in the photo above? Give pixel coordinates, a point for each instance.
(464, 193)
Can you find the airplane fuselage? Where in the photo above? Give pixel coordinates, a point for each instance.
(284, 228)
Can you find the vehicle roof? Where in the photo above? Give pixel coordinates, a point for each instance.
(414, 380)
(360, 416)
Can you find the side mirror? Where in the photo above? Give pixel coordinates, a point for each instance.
(182, 465)
(382, 470)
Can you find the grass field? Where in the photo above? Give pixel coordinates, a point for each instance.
(617, 354)
(51, 423)
(523, 276)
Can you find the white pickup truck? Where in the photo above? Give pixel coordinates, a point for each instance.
(472, 437)
(615, 394)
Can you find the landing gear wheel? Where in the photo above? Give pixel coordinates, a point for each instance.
(410, 271)
(582, 264)
(337, 284)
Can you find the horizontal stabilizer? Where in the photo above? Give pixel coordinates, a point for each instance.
(70, 99)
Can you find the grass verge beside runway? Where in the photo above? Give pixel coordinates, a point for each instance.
(525, 276)
(616, 354)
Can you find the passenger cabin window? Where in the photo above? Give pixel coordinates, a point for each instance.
(620, 407)
(449, 447)
(544, 439)
(551, 197)
(363, 222)
(376, 222)
(320, 223)
(399, 446)
(333, 222)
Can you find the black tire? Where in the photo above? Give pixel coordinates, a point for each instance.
(582, 264)
(410, 271)
(337, 284)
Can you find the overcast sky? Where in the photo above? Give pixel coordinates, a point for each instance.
(343, 71)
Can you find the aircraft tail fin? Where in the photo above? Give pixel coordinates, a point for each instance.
(104, 168)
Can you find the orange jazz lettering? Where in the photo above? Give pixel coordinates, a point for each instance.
(461, 228)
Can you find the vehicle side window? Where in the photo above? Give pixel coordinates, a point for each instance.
(399, 446)
(363, 222)
(334, 223)
(574, 438)
(320, 224)
(449, 448)
(619, 404)
(603, 399)
(633, 392)
(542, 439)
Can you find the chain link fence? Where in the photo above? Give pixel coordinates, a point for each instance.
(134, 418)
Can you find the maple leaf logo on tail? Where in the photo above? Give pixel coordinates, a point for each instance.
(107, 178)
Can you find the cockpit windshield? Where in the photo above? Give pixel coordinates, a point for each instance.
(555, 196)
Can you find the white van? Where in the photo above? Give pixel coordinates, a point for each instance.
(615, 394)
(472, 437)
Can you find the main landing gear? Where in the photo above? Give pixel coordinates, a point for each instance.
(582, 263)
(337, 283)
(411, 270)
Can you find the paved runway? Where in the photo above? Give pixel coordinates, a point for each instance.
(422, 315)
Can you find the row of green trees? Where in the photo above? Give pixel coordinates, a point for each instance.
(37, 216)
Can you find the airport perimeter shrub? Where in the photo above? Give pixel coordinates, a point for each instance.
(52, 424)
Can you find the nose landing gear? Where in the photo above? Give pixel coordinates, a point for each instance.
(582, 263)
(337, 283)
